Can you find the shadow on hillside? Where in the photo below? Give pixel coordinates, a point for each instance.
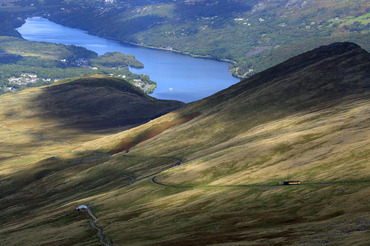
(86, 106)
(6, 58)
(33, 184)
(139, 24)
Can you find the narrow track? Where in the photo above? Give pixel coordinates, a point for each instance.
(93, 225)
(179, 162)
(93, 217)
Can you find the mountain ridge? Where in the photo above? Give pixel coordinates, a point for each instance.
(331, 57)
(310, 80)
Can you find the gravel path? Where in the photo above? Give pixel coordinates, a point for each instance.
(93, 225)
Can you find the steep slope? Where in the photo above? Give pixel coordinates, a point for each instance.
(306, 119)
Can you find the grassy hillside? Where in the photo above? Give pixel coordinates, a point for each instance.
(306, 119)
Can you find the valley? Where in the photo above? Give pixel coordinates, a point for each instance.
(75, 129)
(277, 29)
(178, 77)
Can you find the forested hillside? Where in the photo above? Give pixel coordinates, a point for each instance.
(255, 34)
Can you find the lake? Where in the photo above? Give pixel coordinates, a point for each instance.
(179, 77)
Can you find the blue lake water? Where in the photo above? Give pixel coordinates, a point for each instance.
(179, 77)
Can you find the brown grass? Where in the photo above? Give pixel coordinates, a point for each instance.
(127, 143)
(233, 139)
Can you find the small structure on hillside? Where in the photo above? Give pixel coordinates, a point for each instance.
(292, 182)
(82, 208)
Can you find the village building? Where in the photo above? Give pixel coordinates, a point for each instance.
(82, 208)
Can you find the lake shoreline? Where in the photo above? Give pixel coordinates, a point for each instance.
(179, 76)
(125, 42)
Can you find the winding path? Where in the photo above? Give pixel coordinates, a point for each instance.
(93, 225)
(93, 217)
(177, 163)
(96, 157)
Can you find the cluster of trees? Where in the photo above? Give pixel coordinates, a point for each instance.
(15, 70)
(211, 8)
(116, 59)
(357, 27)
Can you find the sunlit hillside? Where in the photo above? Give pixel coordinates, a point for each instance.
(209, 173)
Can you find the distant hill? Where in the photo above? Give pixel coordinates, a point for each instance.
(209, 173)
(315, 78)
(99, 102)
(255, 34)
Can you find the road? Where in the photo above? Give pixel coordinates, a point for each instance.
(179, 162)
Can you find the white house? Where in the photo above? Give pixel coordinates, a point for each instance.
(81, 208)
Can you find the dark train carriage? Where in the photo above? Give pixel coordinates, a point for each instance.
(292, 182)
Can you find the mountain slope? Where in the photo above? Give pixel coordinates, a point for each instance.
(306, 119)
(92, 103)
